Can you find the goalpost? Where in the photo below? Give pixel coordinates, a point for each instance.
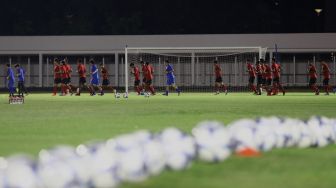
(193, 66)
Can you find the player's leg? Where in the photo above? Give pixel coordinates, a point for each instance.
(217, 86)
(281, 88)
(326, 86)
(11, 88)
(19, 86)
(269, 86)
(312, 85)
(150, 87)
(137, 86)
(259, 84)
(224, 87)
(24, 89)
(251, 85)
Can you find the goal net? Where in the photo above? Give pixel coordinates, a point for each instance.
(194, 67)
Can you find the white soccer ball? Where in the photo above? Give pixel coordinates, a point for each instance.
(117, 95)
(146, 94)
(125, 95)
(19, 171)
(103, 167)
(242, 133)
(179, 148)
(64, 163)
(212, 140)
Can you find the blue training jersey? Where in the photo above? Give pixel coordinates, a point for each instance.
(95, 71)
(170, 71)
(10, 74)
(21, 74)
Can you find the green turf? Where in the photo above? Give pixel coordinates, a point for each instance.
(45, 121)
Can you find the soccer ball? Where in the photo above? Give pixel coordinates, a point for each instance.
(19, 171)
(212, 140)
(146, 94)
(117, 95)
(242, 134)
(178, 147)
(125, 95)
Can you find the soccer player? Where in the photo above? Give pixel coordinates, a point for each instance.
(268, 76)
(143, 69)
(276, 69)
(259, 72)
(313, 78)
(57, 76)
(170, 79)
(21, 78)
(81, 70)
(149, 71)
(68, 72)
(252, 75)
(106, 82)
(263, 68)
(135, 71)
(94, 83)
(65, 78)
(326, 77)
(11, 80)
(219, 80)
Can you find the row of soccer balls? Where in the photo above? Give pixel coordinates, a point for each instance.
(137, 156)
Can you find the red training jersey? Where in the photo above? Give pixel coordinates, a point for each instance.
(69, 70)
(276, 70)
(64, 70)
(218, 71)
(263, 67)
(325, 71)
(57, 71)
(149, 72)
(143, 69)
(259, 70)
(251, 70)
(268, 72)
(81, 71)
(312, 71)
(104, 73)
(136, 73)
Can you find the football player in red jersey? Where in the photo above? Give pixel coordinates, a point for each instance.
(276, 69)
(135, 71)
(252, 75)
(268, 76)
(81, 70)
(259, 72)
(326, 77)
(106, 82)
(149, 75)
(313, 78)
(57, 76)
(219, 80)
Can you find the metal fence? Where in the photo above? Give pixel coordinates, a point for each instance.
(39, 69)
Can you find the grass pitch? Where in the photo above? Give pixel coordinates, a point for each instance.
(45, 121)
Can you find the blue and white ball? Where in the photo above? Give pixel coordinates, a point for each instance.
(212, 140)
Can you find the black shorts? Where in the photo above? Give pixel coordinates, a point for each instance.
(312, 81)
(149, 82)
(264, 82)
(251, 79)
(276, 80)
(82, 80)
(269, 81)
(57, 80)
(326, 81)
(65, 80)
(219, 80)
(144, 80)
(136, 82)
(259, 80)
(106, 82)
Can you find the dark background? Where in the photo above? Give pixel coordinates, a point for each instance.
(121, 17)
